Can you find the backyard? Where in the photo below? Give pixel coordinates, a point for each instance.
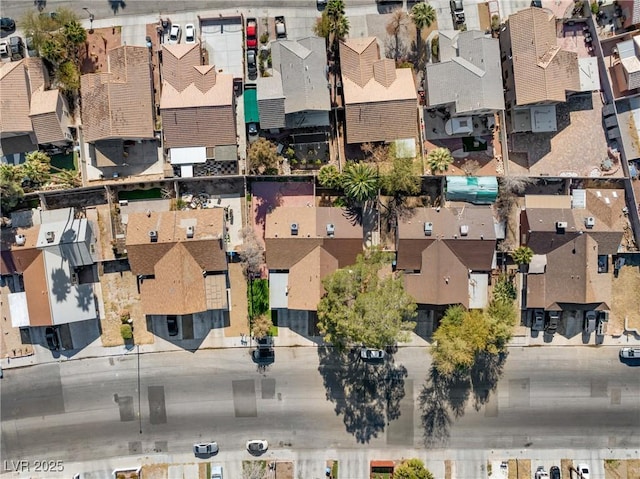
(626, 300)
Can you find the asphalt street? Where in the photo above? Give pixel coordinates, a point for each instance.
(543, 398)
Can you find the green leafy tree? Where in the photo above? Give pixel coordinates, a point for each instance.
(460, 336)
(522, 255)
(412, 469)
(402, 180)
(504, 289)
(360, 182)
(11, 191)
(329, 177)
(366, 304)
(42, 27)
(439, 159)
(68, 75)
(52, 50)
(423, 16)
(501, 317)
(263, 158)
(37, 167)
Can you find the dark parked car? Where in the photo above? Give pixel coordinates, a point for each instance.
(252, 67)
(554, 472)
(7, 24)
(552, 322)
(16, 47)
(172, 325)
(457, 11)
(52, 338)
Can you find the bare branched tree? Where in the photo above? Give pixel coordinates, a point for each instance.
(516, 184)
(252, 252)
(396, 26)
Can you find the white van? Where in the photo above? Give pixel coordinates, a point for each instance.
(216, 472)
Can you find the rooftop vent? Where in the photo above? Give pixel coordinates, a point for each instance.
(50, 236)
(153, 236)
(428, 228)
(21, 240)
(190, 231)
(464, 230)
(331, 229)
(294, 229)
(590, 222)
(561, 226)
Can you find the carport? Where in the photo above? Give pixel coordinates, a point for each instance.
(222, 38)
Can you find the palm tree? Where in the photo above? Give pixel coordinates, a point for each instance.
(329, 176)
(37, 167)
(68, 178)
(52, 50)
(522, 255)
(360, 182)
(338, 23)
(439, 159)
(423, 15)
(75, 33)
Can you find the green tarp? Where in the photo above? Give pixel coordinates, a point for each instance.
(251, 106)
(474, 189)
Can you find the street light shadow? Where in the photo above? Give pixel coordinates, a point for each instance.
(366, 394)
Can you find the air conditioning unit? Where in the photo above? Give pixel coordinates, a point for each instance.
(590, 222)
(464, 230)
(331, 229)
(190, 231)
(561, 225)
(294, 229)
(74, 278)
(21, 240)
(153, 236)
(428, 228)
(50, 236)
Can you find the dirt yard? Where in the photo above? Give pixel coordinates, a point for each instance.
(519, 469)
(284, 470)
(155, 471)
(622, 468)
(120, 293)
(626, 301)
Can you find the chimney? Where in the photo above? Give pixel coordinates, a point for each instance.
(20, 240)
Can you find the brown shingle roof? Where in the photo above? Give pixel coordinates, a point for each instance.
(197, 104)
(475, 250)
(375, 91)
(14, 98)
(571, 277)
(177, 64)
(541, 70)
(312, 254)
(206, 247)
(119, 103)
(44, 116)
(444, 278)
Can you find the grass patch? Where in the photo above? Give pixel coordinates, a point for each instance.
(334, 470)
(63, 162)
(258, 297)
(151, 194)
(273, 331)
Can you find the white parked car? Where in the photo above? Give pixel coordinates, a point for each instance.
(174, 34)
(630, 353)
(205, 449)
(584, 470)
(257, 446)
(189, 33)
(374, 354)
(216, 472)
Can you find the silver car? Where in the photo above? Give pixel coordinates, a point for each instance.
(374, 354)
(205, 449)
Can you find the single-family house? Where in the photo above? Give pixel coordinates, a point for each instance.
(296, 94)
(537, 72)
(380, 100)
(573, 239)
(180, 260)
(198, 111)
(118, 113)
(31, 115)
(447, 255)
(468, 79)
(303, 246)
(51, 266)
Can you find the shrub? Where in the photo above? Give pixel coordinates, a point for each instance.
(126, 331)
(264, 38)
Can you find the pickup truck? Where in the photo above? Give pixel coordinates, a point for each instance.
(281, 28)
(457, 11)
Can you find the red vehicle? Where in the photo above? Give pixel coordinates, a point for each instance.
(252, 32)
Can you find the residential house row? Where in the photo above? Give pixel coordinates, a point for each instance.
(447, 255)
